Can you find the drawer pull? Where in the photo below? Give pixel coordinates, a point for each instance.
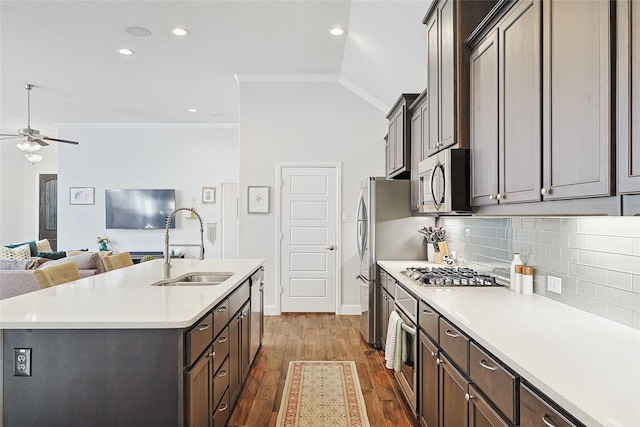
(451, 334)
(223, 339)
(212, 354)
(439, 361)
(484, 365)
(468, 397)
(428, 313)
(222, 309)
(203, 327)
(223, 407)
(222, 374)
(547, 423)
(433, 354)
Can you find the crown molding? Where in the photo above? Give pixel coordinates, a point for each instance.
(146, 125)
(348, 84)
(286, 78)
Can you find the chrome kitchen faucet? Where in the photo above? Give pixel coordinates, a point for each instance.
(166, 267)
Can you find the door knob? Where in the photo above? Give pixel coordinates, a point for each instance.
(330, 247)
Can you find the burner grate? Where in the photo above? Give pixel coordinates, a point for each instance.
(449, 276)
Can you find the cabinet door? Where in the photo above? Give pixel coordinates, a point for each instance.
(453, 391)
(520, 118)
(628, 68)
(399, 127)
(447, 77)
(388, 158)
(433, 94)
(245, 341)
(576, 99)
(234, 358)
(428, 408)
(480, 412)
(199, 393)
(484, 122)
(391, 151)
(384, 316)
(416, 156)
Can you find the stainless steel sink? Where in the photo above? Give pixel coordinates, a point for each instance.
(197, 279)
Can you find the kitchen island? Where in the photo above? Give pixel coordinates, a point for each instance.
(588, 365)
(115, 349)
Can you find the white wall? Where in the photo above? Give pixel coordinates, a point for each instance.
(183, 158)
(19, 191)
(305, 122)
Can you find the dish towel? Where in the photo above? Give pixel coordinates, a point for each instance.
(390, 347)
(400, 346)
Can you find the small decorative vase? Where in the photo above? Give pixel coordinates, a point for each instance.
(103, 247)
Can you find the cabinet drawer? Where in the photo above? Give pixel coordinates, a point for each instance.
(455, 344)
(220, 382)
(390, 285)
(221, 413)
(428, 320)
(220, 348)
(536, 412)
(199, 338)
(494, 380)
(220, 317)
(238, 298)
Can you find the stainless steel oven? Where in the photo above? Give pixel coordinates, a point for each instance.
(444, 182)
(407, 308)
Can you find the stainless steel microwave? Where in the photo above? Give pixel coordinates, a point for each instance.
(444, 182)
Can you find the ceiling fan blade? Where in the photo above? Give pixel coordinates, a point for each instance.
(40, 141)
(10, 135)
(60, 140)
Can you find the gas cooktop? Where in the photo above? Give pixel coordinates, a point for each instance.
(449, 276)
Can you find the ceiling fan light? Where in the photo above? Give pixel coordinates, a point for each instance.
(34, 158)
(28, 146)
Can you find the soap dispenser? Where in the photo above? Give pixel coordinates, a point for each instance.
(512, 271)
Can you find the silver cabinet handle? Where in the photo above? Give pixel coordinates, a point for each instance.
(433, 354)
(223, 339)
(222, 374)
(428, 313)
(212, 354)
(224, 407)
(501, 196)
(484, 365)
(492, 196)
(330, 247)
(439, 361)
(468, 397)
(547, 423)
(451, 334)
(203, 327)
(545, 191)
(222, 309)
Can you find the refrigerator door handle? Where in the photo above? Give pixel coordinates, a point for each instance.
(362, 282)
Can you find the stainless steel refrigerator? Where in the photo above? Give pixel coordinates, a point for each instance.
(385, 231)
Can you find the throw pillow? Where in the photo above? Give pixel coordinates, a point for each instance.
(14, 264)
(77, 252)
(99, 264)
(53, 255)
(87, 261)
(33, 247)
(44, 246)
(20, 252)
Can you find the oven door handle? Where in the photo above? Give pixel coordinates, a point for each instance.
(408, 329)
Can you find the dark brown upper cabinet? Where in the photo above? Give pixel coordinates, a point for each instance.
(448, 24)
(576, 94)
(398, 145)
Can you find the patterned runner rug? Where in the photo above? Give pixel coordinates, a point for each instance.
(322, 394)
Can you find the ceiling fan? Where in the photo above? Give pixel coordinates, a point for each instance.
(32, 140)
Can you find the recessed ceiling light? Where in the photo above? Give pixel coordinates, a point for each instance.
(137, 31)
(193, 110)
(337, 31)
(125, 51)
(179, 32)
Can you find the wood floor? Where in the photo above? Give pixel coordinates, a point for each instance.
(317, 337)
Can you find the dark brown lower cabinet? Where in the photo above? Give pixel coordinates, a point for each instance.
(222, 412)
(200, 391)
(238, 351)
(453, 392)
(481, 414)
(428, 409)
(534, 411)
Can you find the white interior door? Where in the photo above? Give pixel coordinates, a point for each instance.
(308, 202)
(229, 220)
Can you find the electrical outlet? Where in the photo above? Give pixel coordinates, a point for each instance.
(22, 362)
(554, 284)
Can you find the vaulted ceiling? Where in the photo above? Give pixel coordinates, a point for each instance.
(68, 50)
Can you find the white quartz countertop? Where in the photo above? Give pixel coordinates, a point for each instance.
(587, 364)
(125, 298)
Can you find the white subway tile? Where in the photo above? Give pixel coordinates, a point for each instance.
(630, 300)
(620, 315)
(621, 245)
(608, 295)
(619, 280)
(608, 260)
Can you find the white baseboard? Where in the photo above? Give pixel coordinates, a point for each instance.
(351, 310)
(271, 310)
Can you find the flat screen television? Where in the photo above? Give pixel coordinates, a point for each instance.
(139, 209)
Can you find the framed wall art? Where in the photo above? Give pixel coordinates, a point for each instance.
(208, 194)
(258, 199)
(82, 195)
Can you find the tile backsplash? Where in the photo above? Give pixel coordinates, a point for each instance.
(598, 259)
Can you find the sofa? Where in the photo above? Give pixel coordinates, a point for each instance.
(17, 278)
